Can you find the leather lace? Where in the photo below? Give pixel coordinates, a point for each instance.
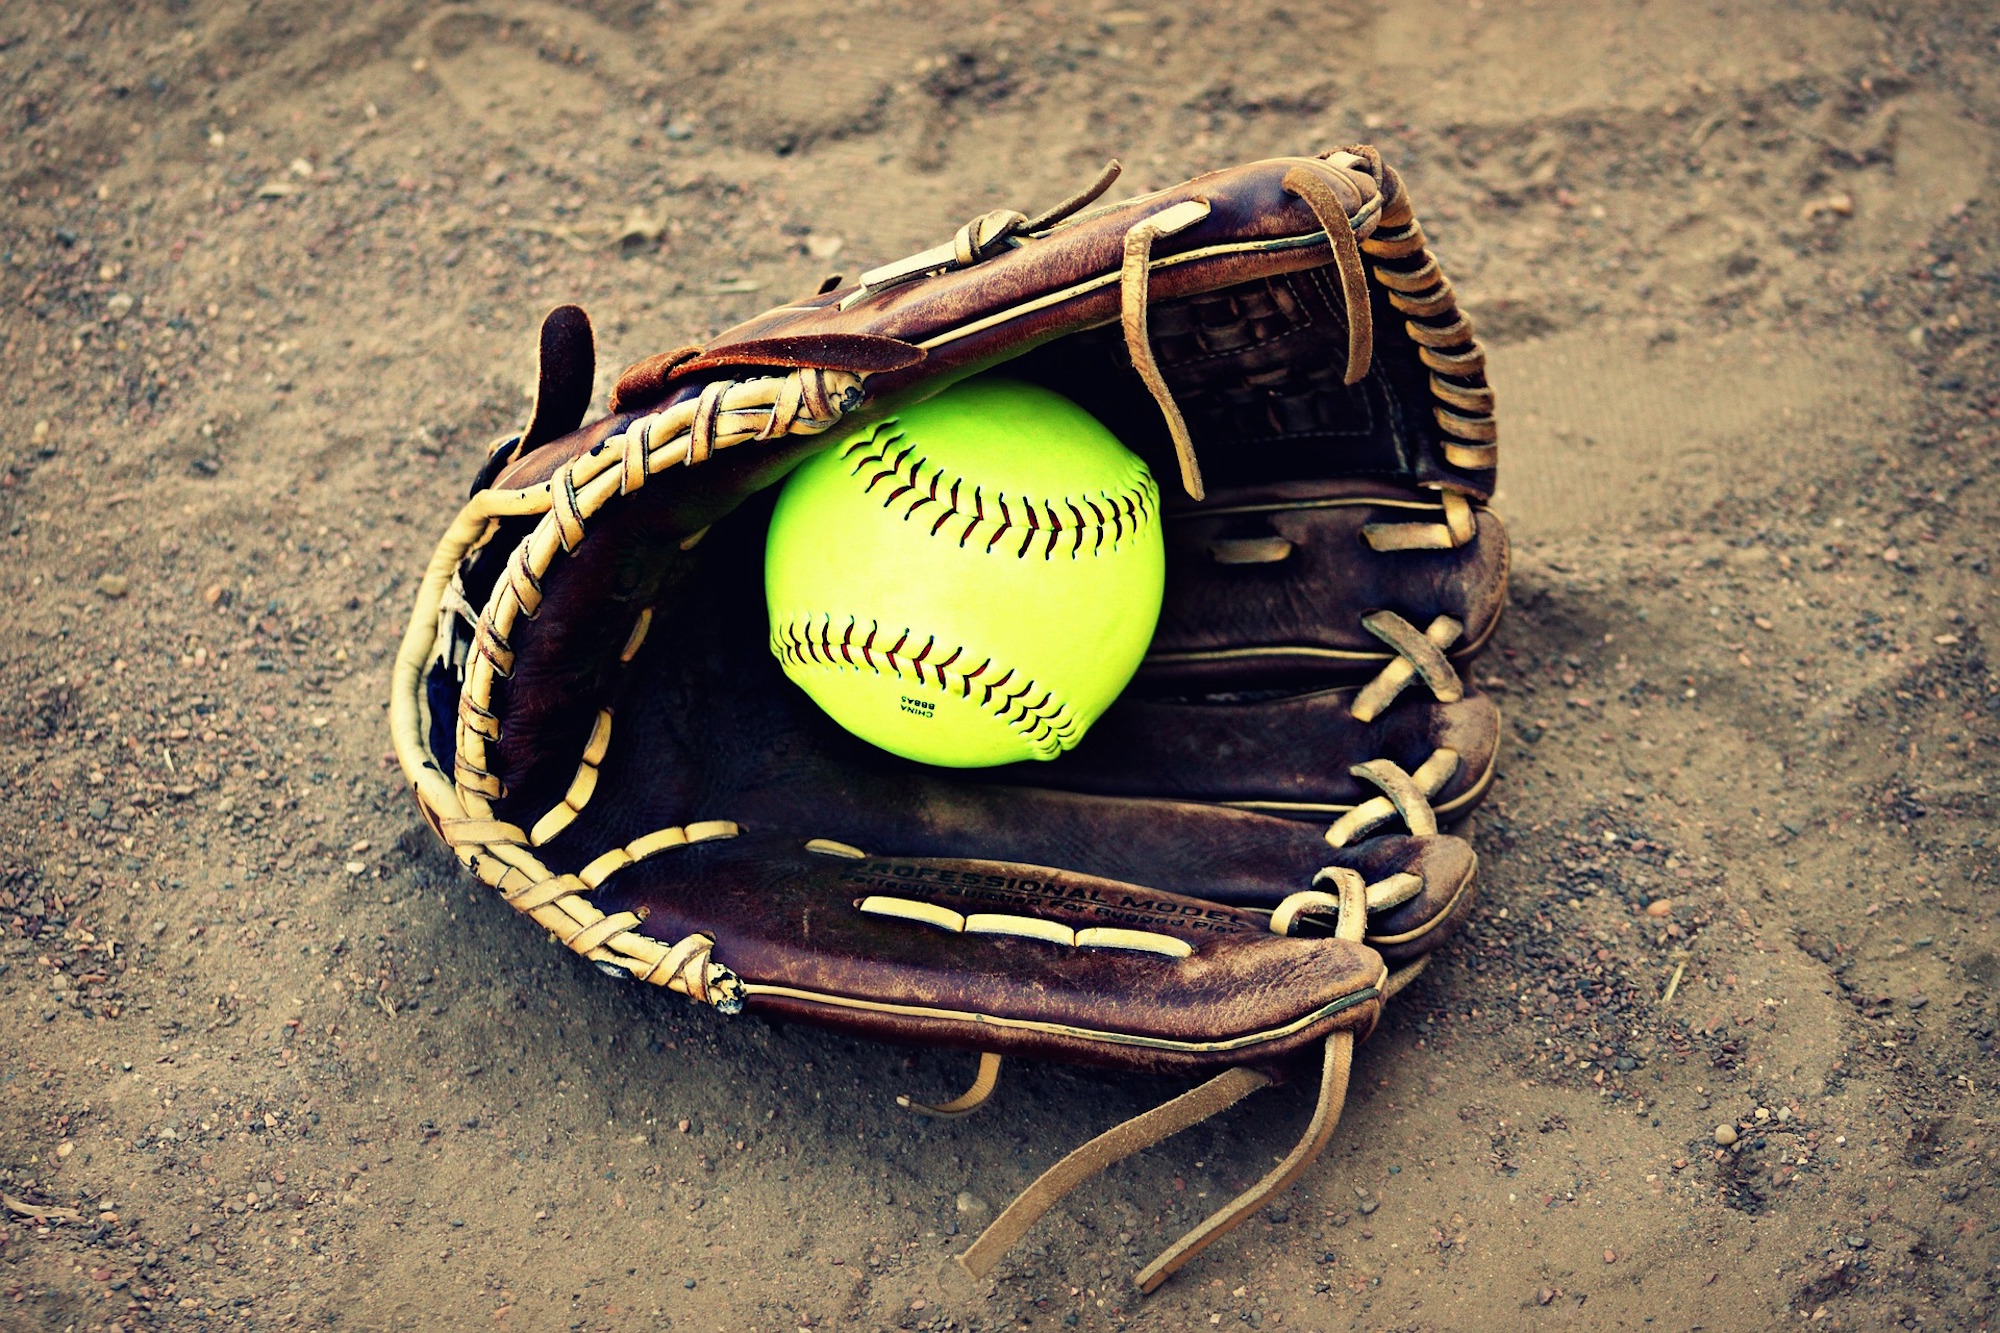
(1135, 286)
(1349, 904)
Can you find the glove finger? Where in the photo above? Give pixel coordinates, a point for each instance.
(1210, 852)
(1444, 866)
(1271, 586)
(992, 956)
(1293, 755)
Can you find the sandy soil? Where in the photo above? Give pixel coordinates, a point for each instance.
(271, 276)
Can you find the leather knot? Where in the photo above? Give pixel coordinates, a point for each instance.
(984, 235)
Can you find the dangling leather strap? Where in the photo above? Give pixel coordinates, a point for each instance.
(1107, 1149)
(1326, 1115)
(966, 1102)
(1191, 1108)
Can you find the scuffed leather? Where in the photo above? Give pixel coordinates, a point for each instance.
(789, 918)
(1218, 609)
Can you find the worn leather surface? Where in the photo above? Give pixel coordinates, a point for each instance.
(783, 917)
(1215, 777)
(1220, 611)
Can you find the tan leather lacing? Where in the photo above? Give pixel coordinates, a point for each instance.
(1418, 657)
(1415, 286)
(1457, 527)
(1134, 284)
(581, 787)
(979, 240)
(1403, 794)
(1350, 907)
(460, 807)
(974, 1097)
(1308, 184)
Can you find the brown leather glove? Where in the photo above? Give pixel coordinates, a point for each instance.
(1221, 877)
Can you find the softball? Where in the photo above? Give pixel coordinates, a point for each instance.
(970, 582)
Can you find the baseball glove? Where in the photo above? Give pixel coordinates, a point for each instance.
(1240, 862)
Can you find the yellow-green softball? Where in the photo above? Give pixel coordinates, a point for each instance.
(970, 582)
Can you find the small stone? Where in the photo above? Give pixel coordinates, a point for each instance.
(119, 306)
(1725, 1134)
(640, 230)
(919, 1303)
(1367, 1206)
(1277, 1216)
(114, 585)
(1659, 907)
(971, 1205)
(354, 867)
(1857, 1242)
(1611, 1256)
(1545, 1295)
(64, 1150)
(688, 1283)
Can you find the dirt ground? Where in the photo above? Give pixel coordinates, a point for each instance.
(272, 272)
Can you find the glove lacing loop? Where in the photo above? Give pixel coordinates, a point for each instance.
(1418, 656)
(1310, 185)
(1403, 794)
(979, 240)
(1134, 284)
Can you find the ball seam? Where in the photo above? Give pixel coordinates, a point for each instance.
(909, 480)
(1042, 720)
